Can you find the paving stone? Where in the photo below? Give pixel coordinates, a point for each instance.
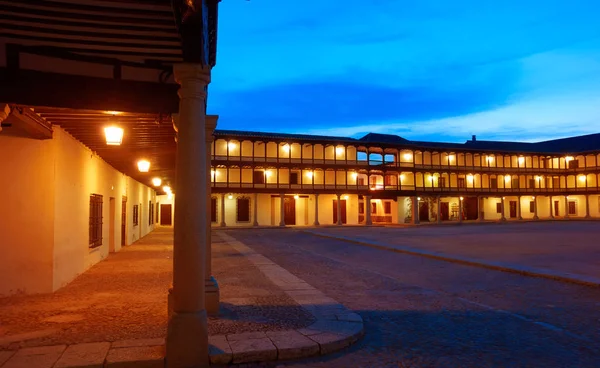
(339, 327)
(219, 350)
(90, 355)
(292, 344)
(39, 357)
(246, 336)
(138, 342)
(136, 357)
(349, 317)
(5, 355)
(253, 350)
(330, 342)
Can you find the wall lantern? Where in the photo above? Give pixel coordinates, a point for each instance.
(286, 148)
(230, 196)
(346, 197)
(407, 156)
(418, 198)
(156, 182)
(354, 175)
(143, 165)
(296, 196)
(231, 146)
(461, 198)
(470, 178)
(114, 135)
(582, 178)
(309, 174)
(167, 189)
(521, 160)
(339, 150)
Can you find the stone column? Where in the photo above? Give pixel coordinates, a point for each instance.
(316, 210)
(187, 331)
(535, 212)
(368, 220)
(566, 206)
(502, 217)
(519, 217)
(255, 223)
(551, 209)
(211, 286)
(223, 224)
(439, 210)
(587, 206)
(282, 210)
(339, 209)
(460, 210)
(415, 210)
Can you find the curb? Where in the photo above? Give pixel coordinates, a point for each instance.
(498, 266)
(334, 329)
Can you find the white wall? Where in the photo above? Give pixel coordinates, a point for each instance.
(44, 220)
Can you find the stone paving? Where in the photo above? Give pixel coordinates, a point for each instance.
(267, 313)
(559, 249)
(421, 312)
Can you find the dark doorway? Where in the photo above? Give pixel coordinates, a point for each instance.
(289, 211)
(165, 215)
(513, 209)
(445, 211)
(343, 211)
(258, 177)
(423, 211)
(470, 208)
(293, 179)
(124, 221)
(556, 211)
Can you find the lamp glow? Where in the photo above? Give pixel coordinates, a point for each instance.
(507, 178)
(354, 175)
(581, 177)
(156, 182)
(346, 197)
(230, 196)
(450, 157)
(489, 158)
(268, 173)
(286, 148)
(339, 150)
(461, 198)
(296, 196)
(470, 178)
(143, 165)
(167, 189)
(309, 174)
(231, 146)
(407, 156)
(418, 198)
(114, 135)
(521, 160)
(401, 177)
(169, 195)
(569, 158)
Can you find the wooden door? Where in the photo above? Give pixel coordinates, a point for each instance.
(289, 211)
(343, 210)
(513, 209)
(258, 177)
(470, 208)
(124, 222)
(445, 211)
(424, 211)
(556, 212)
(572, 208)
(111, 224)
(165, 215)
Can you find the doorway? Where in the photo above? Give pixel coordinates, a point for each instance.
(124, 222)
(470, 208)
(423, 211)
(165, 215)
(513, 209)
(445, 211)
(289, 211)
(111, 224)
(556, 212)
(343, 211)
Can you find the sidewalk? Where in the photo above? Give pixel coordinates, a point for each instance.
(115, 314)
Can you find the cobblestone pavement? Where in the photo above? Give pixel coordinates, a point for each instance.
(420, 312)
(563, 246)
(125, 297)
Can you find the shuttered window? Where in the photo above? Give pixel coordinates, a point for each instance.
(135, 215)
(95, 220)
(243, 209)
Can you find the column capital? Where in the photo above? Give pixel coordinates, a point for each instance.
(211, 124)
(193, 79)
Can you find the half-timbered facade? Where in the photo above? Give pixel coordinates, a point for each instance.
(269, 179)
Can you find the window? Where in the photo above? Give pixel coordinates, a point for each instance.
(294, 178)
(135, 215)
(573, 164)
(494, 183)
(498, 207)
(361, 181)
(150, 213)
(532, 206)
(388, 180)
(95, 220)
(515, 183)
(461, 182)
(361, 208)
(442, 182)
(555, 182)
(243, 209)
(373, 208)
(258, 177)
(213, 209)
(572, 208)
(531, 183)
(387, 208)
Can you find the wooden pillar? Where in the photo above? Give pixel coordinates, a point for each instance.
(223, 224)
(502, 216)
(439, 209)
(519, 208)
(551, 209)
(587, 204)
(316, 209)
(255, 215)
(211, 287)
(339, 209)
(415, 210)
(368, 220)
(282, 210)
(535, 211)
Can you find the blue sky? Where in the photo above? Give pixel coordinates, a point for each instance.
(426, 70)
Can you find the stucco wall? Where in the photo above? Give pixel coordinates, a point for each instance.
(26, 214)
(44, 220)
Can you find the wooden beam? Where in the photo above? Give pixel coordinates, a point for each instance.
(36, 88)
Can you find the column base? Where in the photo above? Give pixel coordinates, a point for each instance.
(316, 223)
(211, 296)
(536, 217)
(187, 340)
(255, 224)
(368, 223)
(520, 218)
(502, 219)
(281, 225)
(222, 224)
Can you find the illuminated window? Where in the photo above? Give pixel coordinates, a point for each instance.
(95, 220)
